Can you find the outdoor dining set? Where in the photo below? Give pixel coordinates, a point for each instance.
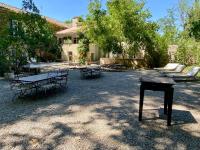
(92, 71)
(41, 82)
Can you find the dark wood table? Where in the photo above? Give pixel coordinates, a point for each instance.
(158, 84)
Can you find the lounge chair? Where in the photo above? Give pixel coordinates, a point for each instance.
(191, 75)
(178, 69)
(168, 67)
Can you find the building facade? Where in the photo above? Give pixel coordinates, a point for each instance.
(9, 16)
(69, 38)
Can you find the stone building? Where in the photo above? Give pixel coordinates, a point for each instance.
(70, 39)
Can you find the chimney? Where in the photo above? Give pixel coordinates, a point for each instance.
(75, 21)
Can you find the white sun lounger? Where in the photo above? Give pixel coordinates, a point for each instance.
(178, 69)
(169, 67)
(191, 75)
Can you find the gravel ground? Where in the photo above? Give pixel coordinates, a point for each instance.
(100, 114)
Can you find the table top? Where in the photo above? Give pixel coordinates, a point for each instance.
(40, 77)
(158, 80)
(42, 65)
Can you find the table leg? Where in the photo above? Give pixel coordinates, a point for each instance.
(166, 97)
(141, 102)
(170, 102)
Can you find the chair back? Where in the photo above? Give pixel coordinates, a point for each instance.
(180, 68)
(194, 71)
(171, 66)
(52, 73)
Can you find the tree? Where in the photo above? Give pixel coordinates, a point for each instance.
(193, 24)
(83, 48)
(127, 19)
(123, 28)
(183, 10)
(29, 5)
(168, 27)
(36, 32)
(29, 35)
(97, 29)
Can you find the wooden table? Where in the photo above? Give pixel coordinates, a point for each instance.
(158, 84)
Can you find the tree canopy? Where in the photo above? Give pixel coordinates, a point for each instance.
(123, 28)
(26, 36)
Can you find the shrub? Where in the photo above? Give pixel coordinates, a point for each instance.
(156, 52)
(4, 65)
(83, 48)
(188, 52)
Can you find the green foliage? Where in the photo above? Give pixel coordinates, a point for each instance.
(83, 48)
(183, 11)
(188, 44)
(96, 26)
(168, 27)
(121, 29)
(188, 52)
(128, 21)
(35, 32)
(29, 5)
(156, 50)
(195, 30)
(27, 35)
(193, 23)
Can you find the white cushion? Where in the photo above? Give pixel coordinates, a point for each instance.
(194, 71)
(180, 68)
(171, 66)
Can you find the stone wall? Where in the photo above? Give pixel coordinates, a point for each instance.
(131, 63)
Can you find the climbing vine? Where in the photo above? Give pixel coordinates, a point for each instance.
(83, 48)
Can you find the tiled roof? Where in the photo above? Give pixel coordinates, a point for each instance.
(72, 30)
(50, 20)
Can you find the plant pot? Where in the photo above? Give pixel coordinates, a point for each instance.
(9, 75)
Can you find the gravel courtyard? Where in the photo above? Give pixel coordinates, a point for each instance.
(100, 114)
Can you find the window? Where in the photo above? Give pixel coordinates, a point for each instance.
(67, 40)
(60, 40)
(75, 40)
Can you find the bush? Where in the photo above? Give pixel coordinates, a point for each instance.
(188, 52)
(83, 49)
(157, 52)
(4, 65)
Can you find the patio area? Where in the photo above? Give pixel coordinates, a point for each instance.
(100, 114)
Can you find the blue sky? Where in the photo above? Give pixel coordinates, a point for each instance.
(66, 9)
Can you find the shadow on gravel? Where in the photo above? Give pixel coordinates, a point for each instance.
(120, 88)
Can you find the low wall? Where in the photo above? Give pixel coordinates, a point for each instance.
(131, 63)
(107, 61)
